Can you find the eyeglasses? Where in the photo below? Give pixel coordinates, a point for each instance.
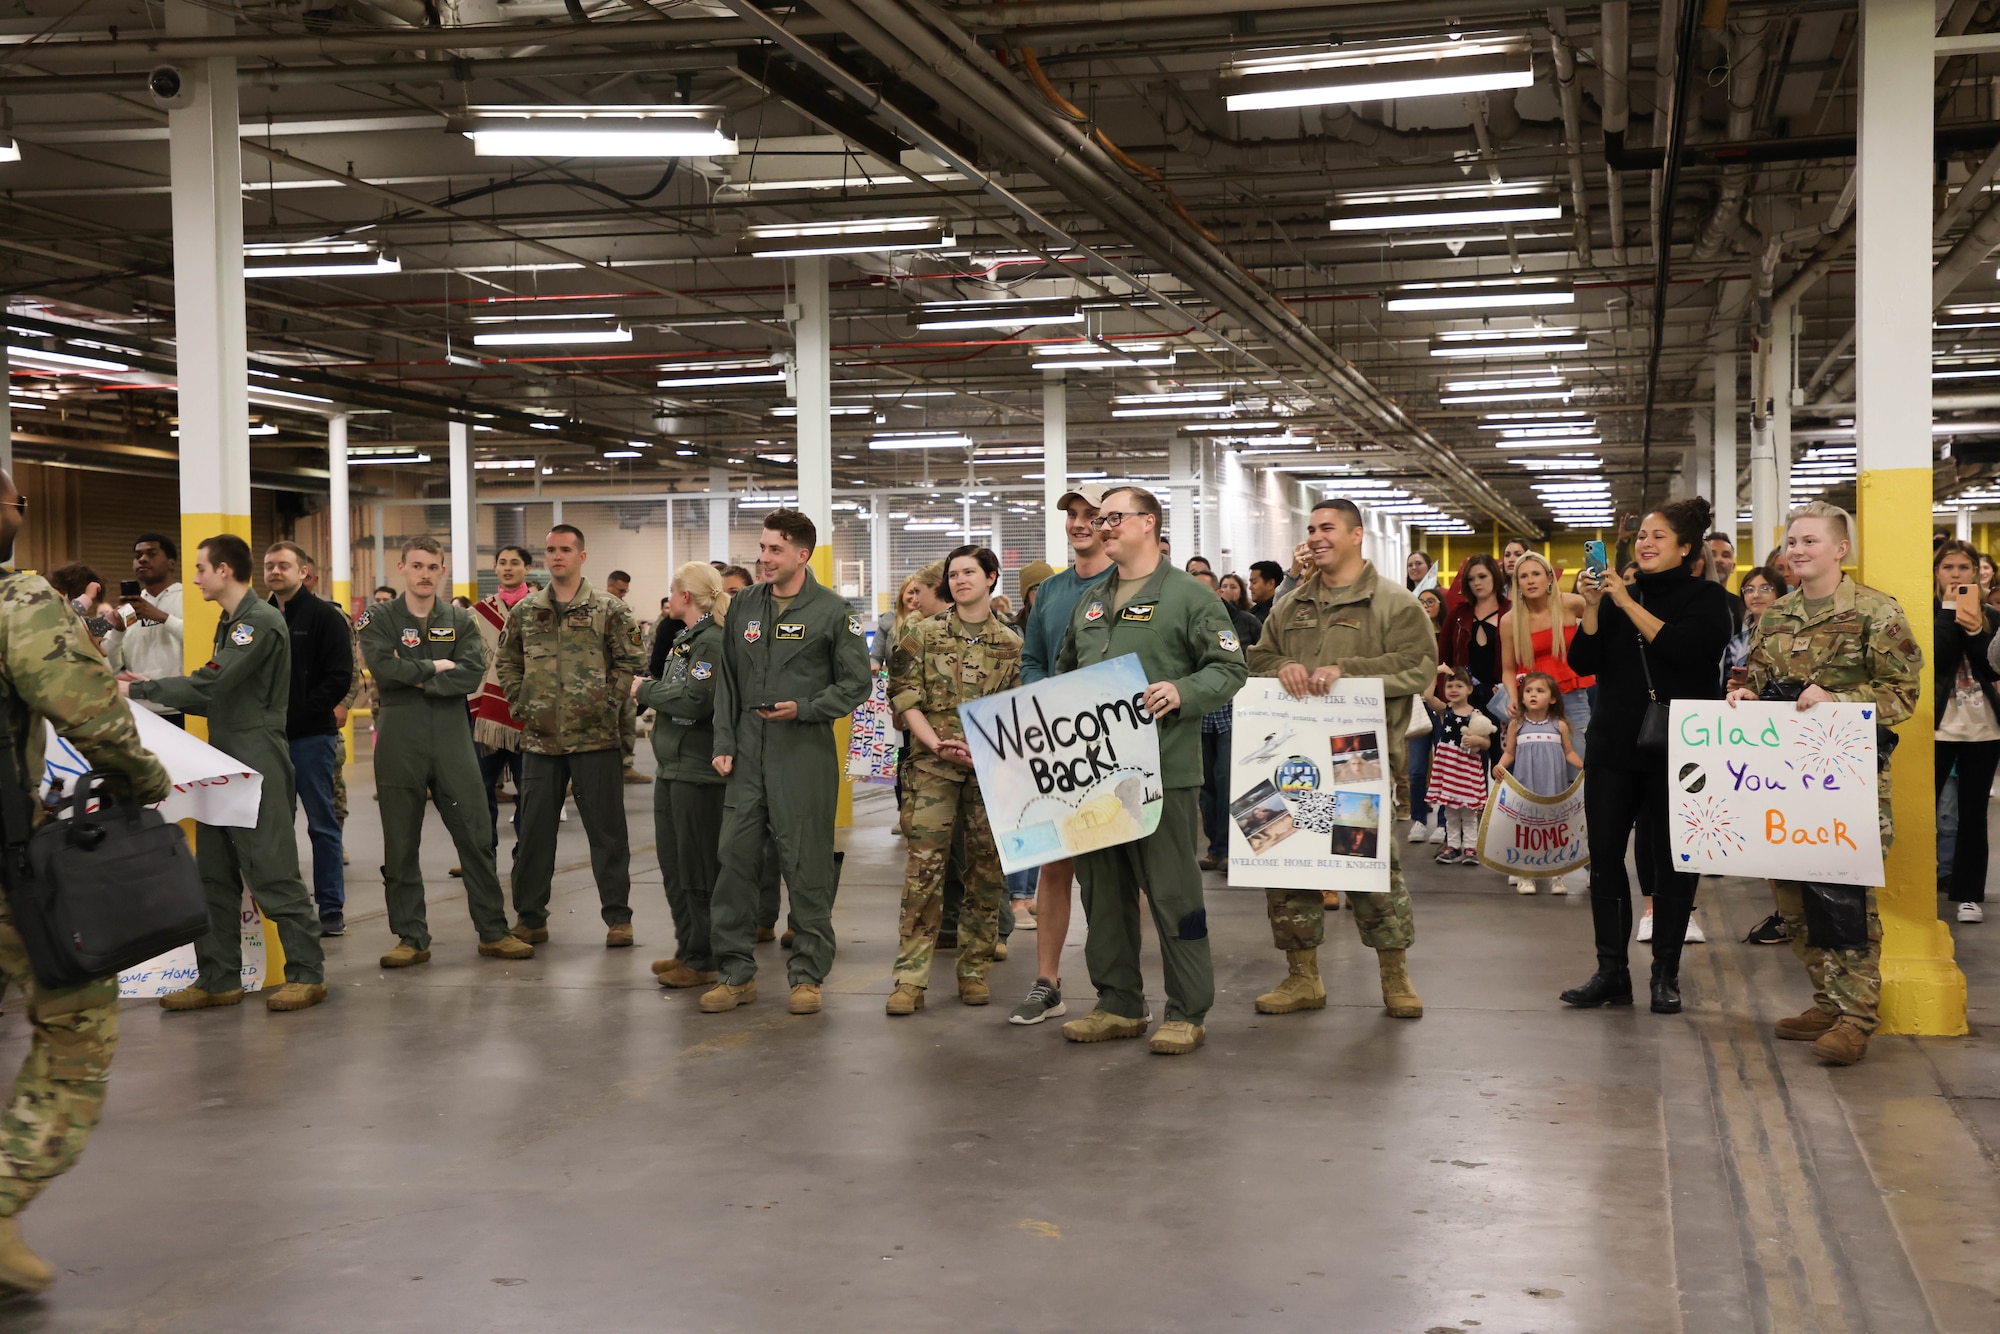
(1111, 520)
(20, 503)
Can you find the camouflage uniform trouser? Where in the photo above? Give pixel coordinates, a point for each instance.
(1298, 916)
(932, 808)
(1846, 983)
(59, 1093)
(628, 729)
(340, 783)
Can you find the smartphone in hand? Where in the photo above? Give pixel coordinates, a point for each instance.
(1594, 558)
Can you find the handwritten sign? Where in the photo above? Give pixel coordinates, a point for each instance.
(1067, 765)
(177, 968)
(872, 740)
(1766, 789)
(1309, 799)
(209, 786)
(1529, 835)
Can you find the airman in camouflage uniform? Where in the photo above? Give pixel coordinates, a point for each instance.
(51, 672)
(939, 664)
(565, 671)
(1860, 650)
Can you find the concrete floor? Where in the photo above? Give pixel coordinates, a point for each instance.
(474, 1145)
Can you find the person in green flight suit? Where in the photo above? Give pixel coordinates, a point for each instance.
(244, 691)
(1194, 663)
(794, 661)
(687, 791)
(427, 658)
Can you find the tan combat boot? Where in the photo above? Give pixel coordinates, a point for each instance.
(1399, 998)
(296, 996)
(1177, 1037)
(20, 1268)
(999, 951)
(529, 935)
(666, 965)
(618, 937)
(680, 976)
(405, 955)
(785, 941)
(1843, 1044)
(1805, 1027)
(1302, 988)
(194, 998)
(805, 999)
(507, 947)
(974, 991)
(1103, 1026)
(723, 998)
(765, 933)
(907, 998)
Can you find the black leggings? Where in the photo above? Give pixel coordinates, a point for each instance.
(1622, 806)
(1976, 761)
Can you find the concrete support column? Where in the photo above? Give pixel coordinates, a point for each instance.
(1180, 499)
(212, 363)
(1963, 528)
(1055, 467)
(1700, 468)
(879, 576)
(381, 554)
(812, 348)
(464, 536)
(1923, 990)
(718, 514)
(1782, 331)
(1727, 503)
(339, 517)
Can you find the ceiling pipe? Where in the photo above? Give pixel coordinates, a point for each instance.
(1572, 118)
(1677, 120)
(1978, 136)
(1614, 57)
(1745, 43)
(455, 70)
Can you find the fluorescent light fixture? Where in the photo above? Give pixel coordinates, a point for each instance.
(1511, 382)
(543, 426)
(36, 359)
(623, 454)
(833, 410)
(1177, 410)
(1547, 432)
(374, 459)
(1544, 441)
(10, 150)
(1519, 396)
(1539, 204)
(996, 314)
(597, 131)
(1423, 67)
(504, 463)
(1100, 363)
(1265, 424)
(1177, 396)
(571, 316)
(724, 378)
(1480, 294)
(914, 393)
(942, 440)
(1967, 373)
(316, 259)
(1097, 349)
(1543, 416)
(553, 337)
(846, 237)
(257, 391)
(1508, 343)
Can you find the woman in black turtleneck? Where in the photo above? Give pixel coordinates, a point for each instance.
(1681, 624)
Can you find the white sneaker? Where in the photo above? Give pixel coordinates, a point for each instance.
(1695, 935)
(1971, 912)
(1523, 885)
(1419, 831)
(1645, 928)
(1559, 886)
(1437, 834)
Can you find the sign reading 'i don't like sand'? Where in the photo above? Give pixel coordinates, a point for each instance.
(1771, 790)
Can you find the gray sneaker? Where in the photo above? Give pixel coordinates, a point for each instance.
(1044, 1002)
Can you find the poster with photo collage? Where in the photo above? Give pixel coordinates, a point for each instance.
(1309, 799)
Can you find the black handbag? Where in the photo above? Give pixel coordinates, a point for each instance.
(99, 891)
(1655, 728)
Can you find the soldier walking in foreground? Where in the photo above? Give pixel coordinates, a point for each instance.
(245, 692)
(49, 673)
(567, 660)
(942, 662)
(427, 657)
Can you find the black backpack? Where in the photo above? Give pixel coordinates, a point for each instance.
(99, 891)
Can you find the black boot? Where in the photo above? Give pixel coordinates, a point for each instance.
(1666, 986)
(1602, 989)
(1611, 984)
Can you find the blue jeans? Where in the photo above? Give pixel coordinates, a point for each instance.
(1215, 792)
(1021, 884)
(314, 759)
(1576, 712)
(492, 763)
(1420, 775)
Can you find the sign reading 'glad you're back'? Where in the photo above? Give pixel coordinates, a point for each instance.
(1067, 765)
(1770, 790)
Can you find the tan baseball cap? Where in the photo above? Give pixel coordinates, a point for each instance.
(1090, 494)
(1032, 575)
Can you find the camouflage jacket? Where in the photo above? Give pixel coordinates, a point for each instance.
(939, 663)
(566, 677)
(52, 672)
(1859, 649)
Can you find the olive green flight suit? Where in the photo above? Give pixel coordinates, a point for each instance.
(1183, 634)
(243, 691)
(423, 743)
(787, 774)
(687, 791)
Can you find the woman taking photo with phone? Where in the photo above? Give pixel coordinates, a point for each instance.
(1535, 636)
(1965, 715)
(1659, 640)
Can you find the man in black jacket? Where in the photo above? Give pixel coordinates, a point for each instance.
(322, 670)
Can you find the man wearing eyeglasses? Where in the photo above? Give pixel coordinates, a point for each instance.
(1194, 663)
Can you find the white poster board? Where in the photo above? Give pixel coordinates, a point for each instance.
(1770, 790)
(176, 968)
(1067, 765)
(209, 786)
(1524, 834)
(1309, 799)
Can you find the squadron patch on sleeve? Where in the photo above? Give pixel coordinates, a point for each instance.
(701, 671)
(854, 625)
(1230, 644)
(243, 634)
(361, 623)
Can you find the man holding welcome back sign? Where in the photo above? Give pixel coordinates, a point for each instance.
(1193, 660)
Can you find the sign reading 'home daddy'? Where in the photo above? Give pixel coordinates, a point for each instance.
(1067, 765)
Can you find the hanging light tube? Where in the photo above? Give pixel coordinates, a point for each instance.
(996, 314)
(1480, 294)
(1508, 343)
(845, 237)
(1542, 204)
(597, 131)
(316, 259)
(1422, 67)
(553, 337)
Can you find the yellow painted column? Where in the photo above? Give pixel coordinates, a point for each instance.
(843, 811)
(1923, 990)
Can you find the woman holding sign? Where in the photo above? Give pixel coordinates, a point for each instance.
(1831, 639)
(1659, 639)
